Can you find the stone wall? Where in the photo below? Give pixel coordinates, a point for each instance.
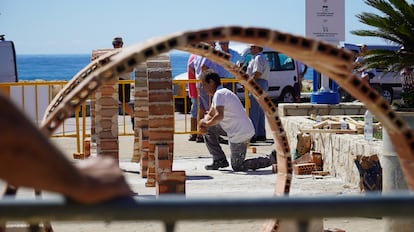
(338, 150)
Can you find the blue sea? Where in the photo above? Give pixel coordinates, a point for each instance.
(63, 67)
(51, 67)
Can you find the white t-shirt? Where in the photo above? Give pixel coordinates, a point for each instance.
(235, 122)
(259, 64)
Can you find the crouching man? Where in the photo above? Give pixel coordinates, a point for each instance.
(227, 117)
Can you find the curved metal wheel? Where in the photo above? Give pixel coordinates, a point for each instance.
(333, 62)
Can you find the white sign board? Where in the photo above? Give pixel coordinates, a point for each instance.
(325, 20)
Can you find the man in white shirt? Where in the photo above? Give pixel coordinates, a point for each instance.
(259, 70)
(226, 116)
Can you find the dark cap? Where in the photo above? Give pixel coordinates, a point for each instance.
(117, 40)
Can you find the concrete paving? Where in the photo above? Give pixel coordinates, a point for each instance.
(191, 157)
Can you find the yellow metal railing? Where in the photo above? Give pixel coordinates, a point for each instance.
(33, 98)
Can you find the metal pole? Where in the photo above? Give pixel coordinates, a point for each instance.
(171, 209)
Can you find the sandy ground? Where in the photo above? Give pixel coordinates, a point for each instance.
(192, 157)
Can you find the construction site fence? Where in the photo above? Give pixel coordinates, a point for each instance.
(33, 98)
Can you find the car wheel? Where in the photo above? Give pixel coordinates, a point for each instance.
(387, 93)
(287, 95)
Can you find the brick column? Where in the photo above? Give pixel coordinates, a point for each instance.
(141, 116)
(161, 128)
(160, 110)
(107, 119)
(92, 99)
(141, 138)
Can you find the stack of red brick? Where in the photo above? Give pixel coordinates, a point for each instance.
(308, 163)
(155, 127)
(154, 124)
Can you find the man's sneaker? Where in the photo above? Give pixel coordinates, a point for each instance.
(217, 164)
(222, 140)
(200, 139)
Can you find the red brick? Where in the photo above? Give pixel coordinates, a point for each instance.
(165, 84)
(107, 89)
(161, 136)
(159, 96)
(163, 109)
(304, 169)
(317, 159)
(180, 188)
(143, 133)
(107, 101)
(111, 144)
(78, 155)
(162, 151)
(104, 112)
(162, 188)
(106, 134)
(158, 73)
(144, 144)
(170, 188)
(144, 166)
(141, 95)
(153, 146)
(165, 122)
(174, 176)
(106, 123)
(87, 147)
(150, 182)
(163, 165)
(159, 64)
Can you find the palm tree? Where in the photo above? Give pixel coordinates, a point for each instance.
(395, 25)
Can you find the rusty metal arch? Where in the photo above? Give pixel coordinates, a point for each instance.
(333, 62)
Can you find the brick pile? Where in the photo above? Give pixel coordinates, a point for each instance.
(308, 163)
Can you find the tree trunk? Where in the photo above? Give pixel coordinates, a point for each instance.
(407, 81)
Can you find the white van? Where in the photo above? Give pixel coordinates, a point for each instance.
(8, 68)
(389, 86)
(283, 75)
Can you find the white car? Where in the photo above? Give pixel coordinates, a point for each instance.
(283, 75)
(389, 85)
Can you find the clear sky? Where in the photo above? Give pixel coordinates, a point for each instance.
(78, 26)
